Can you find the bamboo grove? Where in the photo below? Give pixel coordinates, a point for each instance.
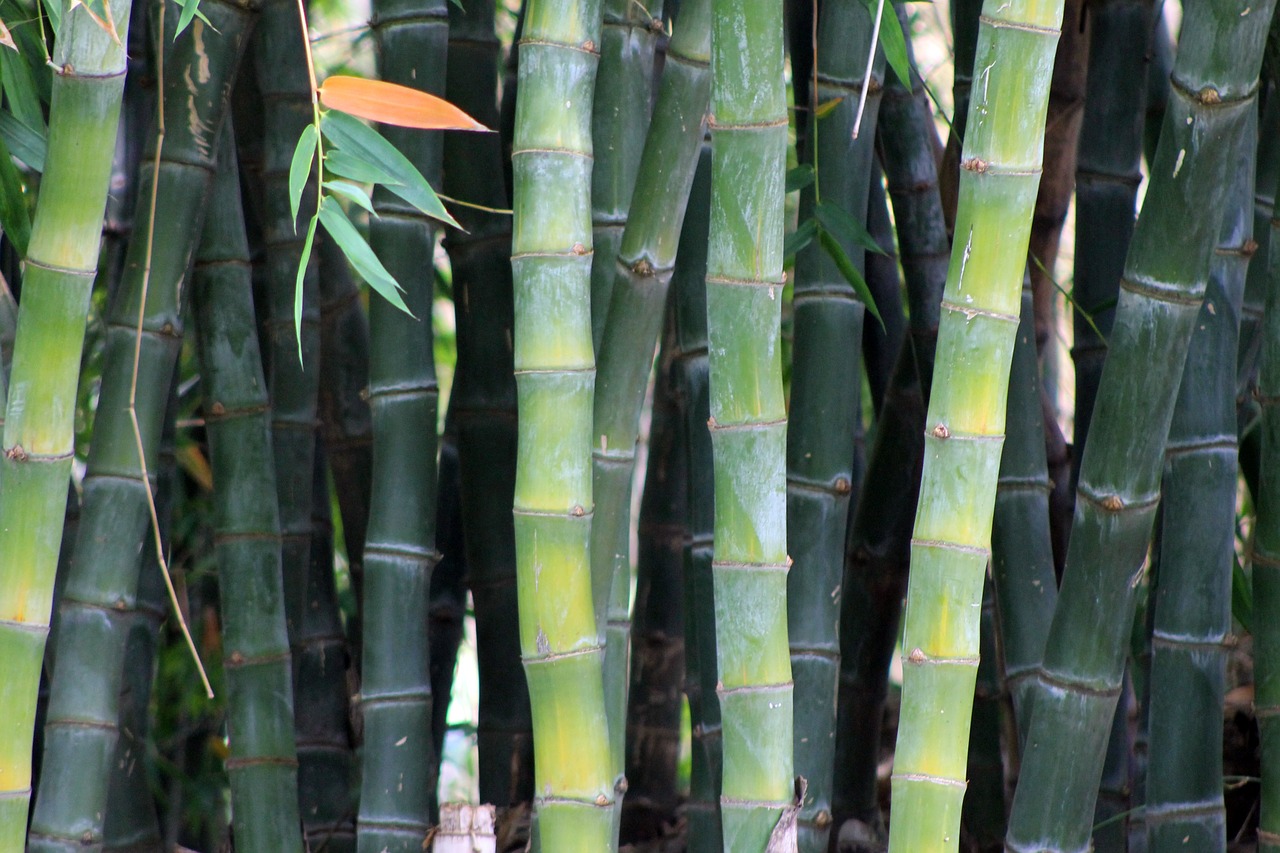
(770, 425)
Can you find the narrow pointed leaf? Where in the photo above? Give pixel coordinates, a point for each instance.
(352, 192)
(348, 166)
(190, 11)
(892, 41)
(827, 107)
(14, 216)
(794, 242)
(799, 177)
(850, 272)
(6, 37)
(297, 287)
(390, 103)
(300, 169)
(842, 225)
(359, 253)
(21, 88)
(54, 11)
(367, 145)
(26, 144)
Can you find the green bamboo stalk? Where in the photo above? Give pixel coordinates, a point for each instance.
(1022, 567)
(642, 264)
(1164, 281)
(1265, 555)
(38, 435)
(321, 697)
(1000, 171)
(263, 763)
(688, 282)
(657, 674)
(555, 377)
(82, 726)
(823, 471)
(131, 822)
(484, 407)
(346, 425)
(748, 417)
(877, 547)
(619, 124)
(1107, 178)
(398, 763)
(982, 817)
(1192, 624)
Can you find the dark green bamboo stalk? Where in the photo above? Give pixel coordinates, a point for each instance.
(1165, 272)
(748, 417)
(1107, 179)
(131, 822)
(346, 424)
(1192, 624)
(560, 640)
(881, 344)
(263, 763)
(688, 281)
(1000, 170)
(399, 766)
(484, 407)
(1266, 556)
(619, 125)
(1159, 71)
(823, 471)
(35, 467)
(82, 726)
(641, 263)
(982, 817)
(1026, 587)
(877, 546)
(657, 674)
(447, 606)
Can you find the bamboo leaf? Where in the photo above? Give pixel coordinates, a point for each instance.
(366, 144)
(6, 38)
(14, 216)
(24, 143)
(799, 177)
(100, 12)
(827, 107)
(190, 11)
(300, 169)
(54, 11)
(21, 88)
(359, 253)
(297, 284)
(850, 272)
(352, 192)
(390, 103)
(797, 240)
(842, 225)
(341, 163)
(893, 42)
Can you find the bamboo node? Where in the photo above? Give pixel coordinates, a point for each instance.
(217, 409)
(1112, 503)
(842, 486)
(602, 800)
(822, 819)
(976, 164)
(577, 511)
(579, 249)
(1249, 249)
(642, 267)
(236, 659)
(16, 453)
(916, 656)
(364, 393)
(1209, 95)
(941, 431)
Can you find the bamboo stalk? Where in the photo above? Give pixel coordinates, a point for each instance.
(1163, 285)
(1000, 171)
(555, 378)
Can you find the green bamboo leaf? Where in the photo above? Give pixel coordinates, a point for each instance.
(799, 177)
(300, 169)
(352, 192)
(842, 225)
(190, 11)
(366, 144)
(796, 241)
(348, 166)
(14, 216)
(359, 253)
(297, 285)
(21, 89)
(23, 142)
(850, 272)
(892, 41)
(54, 11)
(827, 107)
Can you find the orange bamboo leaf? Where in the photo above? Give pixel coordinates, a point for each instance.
(389, 103)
